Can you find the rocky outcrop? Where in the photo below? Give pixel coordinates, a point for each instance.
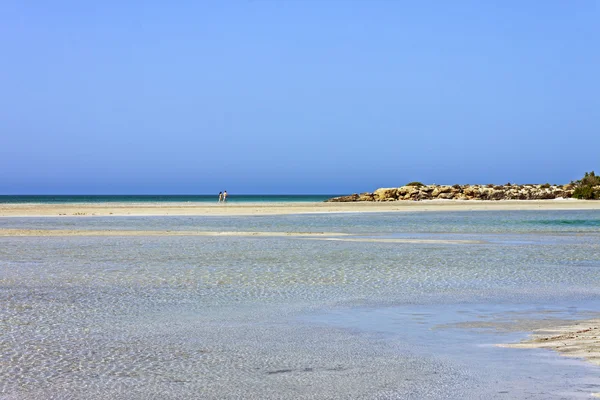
(464, 192)
(353, 197)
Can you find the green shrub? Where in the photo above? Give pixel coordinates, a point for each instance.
(417, 184)
(545, 186)
(590, 179)
(584, 188)
(586, 193)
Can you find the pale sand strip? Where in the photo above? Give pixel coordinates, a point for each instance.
(231, 209)
(73, 232)
(579, 339)
(308, 235)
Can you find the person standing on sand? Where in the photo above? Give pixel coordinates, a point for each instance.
(220, 197)
(225, 196)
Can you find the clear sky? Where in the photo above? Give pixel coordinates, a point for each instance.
(329, 96)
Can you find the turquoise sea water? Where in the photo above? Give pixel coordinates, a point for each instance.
(287, 317)
(204, 198)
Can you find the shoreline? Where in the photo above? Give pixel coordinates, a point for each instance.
(262, 208)
(577, 339)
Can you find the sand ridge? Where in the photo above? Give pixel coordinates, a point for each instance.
(246, 209)
(113, 232)
(580, 339)
(332, 236)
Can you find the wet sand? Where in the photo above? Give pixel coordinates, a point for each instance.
(232, 208)
(579, 339)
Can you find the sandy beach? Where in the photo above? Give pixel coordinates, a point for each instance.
(161, 209)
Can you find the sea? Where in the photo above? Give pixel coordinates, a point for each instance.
(152, 198)
(407, 305)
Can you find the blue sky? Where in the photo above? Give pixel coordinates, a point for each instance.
(330, 96)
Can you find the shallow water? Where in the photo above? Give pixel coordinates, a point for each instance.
(290, 317)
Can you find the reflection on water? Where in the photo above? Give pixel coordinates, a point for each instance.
(229, 317)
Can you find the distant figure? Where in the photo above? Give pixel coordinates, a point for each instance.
(225, 196)
(220, 197)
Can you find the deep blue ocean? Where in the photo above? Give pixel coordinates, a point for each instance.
(159, 198)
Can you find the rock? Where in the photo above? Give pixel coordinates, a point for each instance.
(413, 193)
(470, 191)
(385, 194)
(441, 189)
(496, 194)
(341, 199)
(423, 195)
(366, 197)
(403, 190)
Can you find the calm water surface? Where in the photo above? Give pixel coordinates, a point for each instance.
(182, 198)
(296, 318)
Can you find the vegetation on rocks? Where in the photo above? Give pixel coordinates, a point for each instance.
(587, 188)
